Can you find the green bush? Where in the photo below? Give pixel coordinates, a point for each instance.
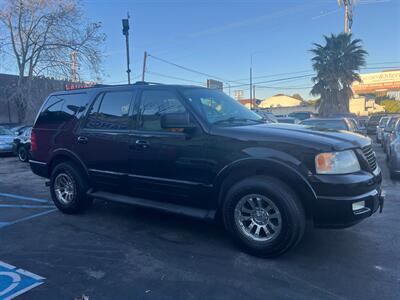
(391, 106)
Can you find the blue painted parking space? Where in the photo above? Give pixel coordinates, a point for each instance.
(17, 208)
(15, 281)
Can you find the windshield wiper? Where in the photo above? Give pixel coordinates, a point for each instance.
(234, 119)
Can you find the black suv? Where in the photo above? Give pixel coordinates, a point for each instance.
(197, 152)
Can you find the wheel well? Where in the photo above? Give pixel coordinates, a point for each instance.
(62, 158)
(285, 174)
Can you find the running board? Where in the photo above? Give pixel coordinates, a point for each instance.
(162, 206)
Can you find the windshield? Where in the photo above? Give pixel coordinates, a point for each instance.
(220, 109)
(391, 124)
(326, 124)
(383, 121)
(4, 131)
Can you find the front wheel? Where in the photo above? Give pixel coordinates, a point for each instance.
(68, 189)
(264, 216)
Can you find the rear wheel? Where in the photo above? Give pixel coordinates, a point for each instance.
(68, 189)
(264, 216)
(23, 154)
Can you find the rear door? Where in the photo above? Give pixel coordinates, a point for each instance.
(103, 140)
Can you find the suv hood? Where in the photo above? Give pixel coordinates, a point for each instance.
(296, 134)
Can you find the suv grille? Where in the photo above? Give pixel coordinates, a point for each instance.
(370, 156)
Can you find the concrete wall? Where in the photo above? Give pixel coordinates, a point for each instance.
(41, 88)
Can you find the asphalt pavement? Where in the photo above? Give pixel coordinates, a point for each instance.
(116, 251)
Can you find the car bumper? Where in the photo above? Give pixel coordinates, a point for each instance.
(345, 200)
(6, 148)
(39, 168)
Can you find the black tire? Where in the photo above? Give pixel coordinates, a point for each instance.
(79, 201)
(284, 198)
(23, 154)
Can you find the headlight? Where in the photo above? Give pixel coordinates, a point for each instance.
(342, 162)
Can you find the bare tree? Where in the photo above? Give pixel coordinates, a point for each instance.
(41, 35)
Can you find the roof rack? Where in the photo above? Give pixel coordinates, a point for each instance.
(100, 85)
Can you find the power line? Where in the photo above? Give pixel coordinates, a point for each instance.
(173, 77)
(192, 70)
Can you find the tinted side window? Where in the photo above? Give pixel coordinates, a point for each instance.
(155, 103)
(74, 105)
(110, 111)
(51, 111)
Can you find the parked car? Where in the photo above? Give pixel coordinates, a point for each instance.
(301, 115)
(288, 120)
(394, 151)
(266, 115)
(373, 121)
(19, 129)
(6, 140)
(197, 152)
(379, 129)
(22, 144)
(388, 130)
(333, 124)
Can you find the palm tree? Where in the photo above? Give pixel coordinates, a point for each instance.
(336, 65)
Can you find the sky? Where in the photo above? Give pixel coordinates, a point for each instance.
(218, 37)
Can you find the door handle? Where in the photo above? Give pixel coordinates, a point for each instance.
(82, 140)
(142, 144)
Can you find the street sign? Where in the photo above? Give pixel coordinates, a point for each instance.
(14, 281)
(215, 84)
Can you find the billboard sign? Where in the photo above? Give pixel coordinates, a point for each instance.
(375, 82)
(215, 84)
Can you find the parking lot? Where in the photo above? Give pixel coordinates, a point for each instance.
(120, 252)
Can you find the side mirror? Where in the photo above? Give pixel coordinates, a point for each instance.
(176, 121)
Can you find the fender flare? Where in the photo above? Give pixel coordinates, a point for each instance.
(60, 152)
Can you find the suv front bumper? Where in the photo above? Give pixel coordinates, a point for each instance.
(336, 195)
(338, 212)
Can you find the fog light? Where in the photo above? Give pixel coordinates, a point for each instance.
(358, 205)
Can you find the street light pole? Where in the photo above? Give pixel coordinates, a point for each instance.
(251, 81)
(125, 32)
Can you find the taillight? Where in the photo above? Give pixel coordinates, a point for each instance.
(33, 141)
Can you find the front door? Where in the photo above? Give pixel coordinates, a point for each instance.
(103, 141)
(168, 165)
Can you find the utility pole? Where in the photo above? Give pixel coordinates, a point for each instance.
(254, 93)
(125, 32)
(144, 65)
(73, 60)
(251, 87)
(348, 14)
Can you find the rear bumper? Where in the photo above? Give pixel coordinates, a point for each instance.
(39, 168)
(6, 148)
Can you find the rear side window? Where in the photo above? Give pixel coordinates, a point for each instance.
(110, 111)
(60, 109)
(51, 112)
(74, 105)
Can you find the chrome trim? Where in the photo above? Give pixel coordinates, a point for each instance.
(107, 172)
(37, 162)
(372, 193)
(377, 170)
(169, 180)
(151, 178)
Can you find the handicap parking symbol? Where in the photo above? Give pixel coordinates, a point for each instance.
(15, 281)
